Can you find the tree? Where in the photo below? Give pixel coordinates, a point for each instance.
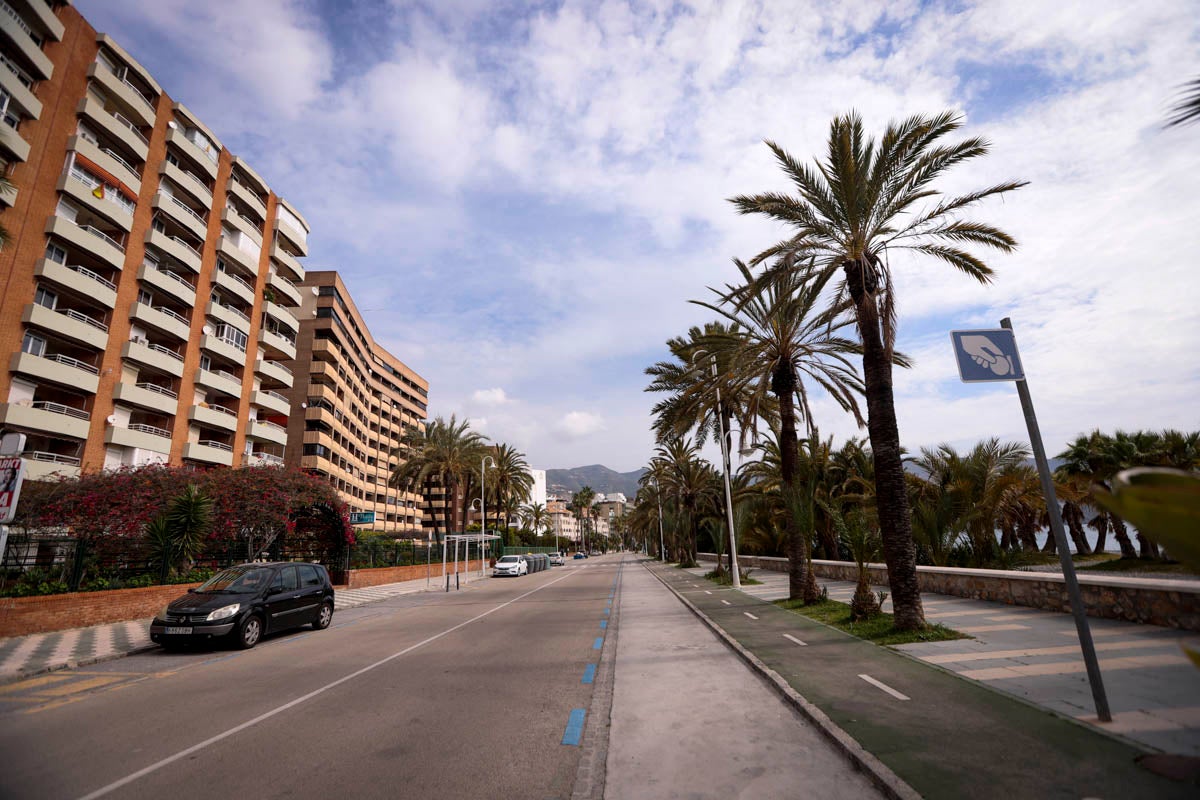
(851, 210)
(581, 502)
(177, 535)
(445, 452)
(510, 480)
(1187, 109)
(692, 486)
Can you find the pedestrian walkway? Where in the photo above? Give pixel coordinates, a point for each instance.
(1153, 690)
(943, 735)
(22, 656)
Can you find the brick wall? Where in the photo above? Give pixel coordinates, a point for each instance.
(56, 612)
(361, 578)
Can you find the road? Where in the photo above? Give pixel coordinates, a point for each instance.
(466, 694)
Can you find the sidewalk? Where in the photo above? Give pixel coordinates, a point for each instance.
(22, 656)
(943, 735)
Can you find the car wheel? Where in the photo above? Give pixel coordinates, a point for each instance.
(249, 632)
(324, 617)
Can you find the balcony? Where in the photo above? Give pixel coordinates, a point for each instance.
(116, 125)
(246, 226)
(68, 323)
(286, 259)
(246, 260)
(178, 137)
(214, 416)
(228, 315)
(263, 431)
(210, 452)
(80, 280)
(288, 293)
(220, 381)
(41, 466)
(142, 437)
(169, 283)
(247, 196)
(148, 396)
(260, 459)
(20, 95)
(54, 419)
(140, 109)
(281, 314)
(236, 284)
(295, 237)
(89, 239)
(272, 401)
(275, 371)
(18, 31)
(154, 356)
(162, 319)
(59, 369)
(188, 182)
(82, 193)
(108, 160)
(224, 348)
(177, 248)
(277, 345)
(12, 143)
(179, 211)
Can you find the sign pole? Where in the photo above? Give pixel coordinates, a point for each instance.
(1064, 550)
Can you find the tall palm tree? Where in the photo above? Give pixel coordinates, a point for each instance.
(510, 480)
(536, 518)
(1187, 109)
(851, 210)
(581, 504)
(784, 334)
(692, 486)
(1094, 458)
(446, 452)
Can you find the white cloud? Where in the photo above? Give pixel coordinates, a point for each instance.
(578, 424)
(490, 397)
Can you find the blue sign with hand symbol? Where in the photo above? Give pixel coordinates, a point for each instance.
(987, 356)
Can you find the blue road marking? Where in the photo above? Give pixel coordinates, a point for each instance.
(603, 624)
(606, 612)
(574, 731)
(598, 643)
(589, 674)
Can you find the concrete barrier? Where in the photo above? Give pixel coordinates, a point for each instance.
(1153, 601)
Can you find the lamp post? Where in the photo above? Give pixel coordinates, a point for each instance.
(662, 548)
(483, 462)
(733, 565)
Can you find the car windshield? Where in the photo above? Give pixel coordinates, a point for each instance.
(237, 579)
(508, 559)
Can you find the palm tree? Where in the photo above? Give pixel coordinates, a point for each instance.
(692, 486)
(445, 452)
(581, 503)
(1094, 458)
(536, 518)
(510, 479)
(851, 210)
(783, 334)
(1187, 109)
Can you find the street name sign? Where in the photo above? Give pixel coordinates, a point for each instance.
(362, 517)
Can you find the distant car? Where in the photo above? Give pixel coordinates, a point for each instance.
(557, 559)
(511, 565)
(245, 602)
(579, 556)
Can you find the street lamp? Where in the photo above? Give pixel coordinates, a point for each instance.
(483, 462)
(733, 565)
(662, 548)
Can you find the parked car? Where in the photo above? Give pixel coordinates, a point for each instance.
(579, 556)
(246, 602)
(511, 565)
(557, 559)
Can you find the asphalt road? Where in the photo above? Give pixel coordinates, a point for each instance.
(466, 694)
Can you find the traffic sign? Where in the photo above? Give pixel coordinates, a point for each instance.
(12, 475)
(987, 355)
(362, 517)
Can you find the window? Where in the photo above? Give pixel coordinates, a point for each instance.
(231, 335)
(326, 291)
(308, 575)
(44, 298)
(314, 450)
(145, 298)
(33, 344)
(205, 363)
(56, 254)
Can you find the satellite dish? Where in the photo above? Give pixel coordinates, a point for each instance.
(111, 419)
(314, 291)
(172, 125)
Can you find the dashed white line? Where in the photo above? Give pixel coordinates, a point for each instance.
(726, 602)
(791, 638)
(884, 687)
(706, 591)
(748, 614)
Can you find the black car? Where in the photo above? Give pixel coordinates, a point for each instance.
(245, 602)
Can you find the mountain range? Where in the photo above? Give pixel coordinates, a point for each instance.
(602, 480)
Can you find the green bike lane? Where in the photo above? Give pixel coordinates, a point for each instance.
(945, 736)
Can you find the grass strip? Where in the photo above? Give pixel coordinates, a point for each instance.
(879, 630)
(724, 578)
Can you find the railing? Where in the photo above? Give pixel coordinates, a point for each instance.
(270, 458)
(202, 145)
(150, 429)
(53, 458)
(165, 351)
(154, 387)
(74, 362)
(223, 410)
(275, 394)
(173, 315)
(21, 23)
(104, 236)
(87, 273)
(137, 91)
(224, 373)
(277, 365)
(231, 310)
(133, 128)
(196, 179)
(108, 151)
(59, 408)
(231, 342)
(269, 424)
(22, 76)
(170, 274)
(189, 210)
(185, 243)
(237, 278)
(216, 444)
(85, 319)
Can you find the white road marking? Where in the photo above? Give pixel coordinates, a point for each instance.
(748, 614)
(133, 776)
(791, 638)
(726, 602)
(884, 687)
(706, 591)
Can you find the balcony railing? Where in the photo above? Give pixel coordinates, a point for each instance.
(172, 314)
(216, 444)
(170, 274)
(87, 273)
(278, 366)
(154, 387)
(229, 340)
(59, 408)
(134, 128)
(104, 236)
(53, 458)
(113, 155)
(189, 210)
(270, 424)
(275, 394)
(186, 244)
(224, 373)
(232, 310)
(223, 410)
(22, 76)
(85, 319)
(73, 362)
(150, 429)
(230, 273)
(270, 458)
(166, 351)
(21, 23)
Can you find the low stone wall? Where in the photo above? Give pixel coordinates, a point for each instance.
(57, 612)
(1170, 603)
(378, 576)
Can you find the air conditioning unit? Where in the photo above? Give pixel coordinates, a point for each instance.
(139, 339)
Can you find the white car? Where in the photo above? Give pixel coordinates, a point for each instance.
(511, 565)
(557, 560)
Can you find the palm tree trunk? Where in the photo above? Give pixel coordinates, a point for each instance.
(1122, 535)
(1100, 523)
(783, 385)
(1074, 519)
(1146, 547)
(891, 493)
(1027, 533)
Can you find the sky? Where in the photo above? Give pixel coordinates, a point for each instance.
(523, 197)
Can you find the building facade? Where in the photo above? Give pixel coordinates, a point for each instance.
(351, 404)
(150, 277)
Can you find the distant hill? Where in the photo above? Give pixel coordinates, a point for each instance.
(602, 479)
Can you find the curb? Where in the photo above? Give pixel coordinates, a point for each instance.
(879, 773)
(86, 662)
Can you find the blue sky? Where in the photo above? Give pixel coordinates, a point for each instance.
(523, 196)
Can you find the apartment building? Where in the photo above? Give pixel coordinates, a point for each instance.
(351, 403)
(150, 276)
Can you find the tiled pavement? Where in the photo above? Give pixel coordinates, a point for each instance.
(21, 656)
(1153, 690)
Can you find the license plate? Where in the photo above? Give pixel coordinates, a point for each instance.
(179, 630)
